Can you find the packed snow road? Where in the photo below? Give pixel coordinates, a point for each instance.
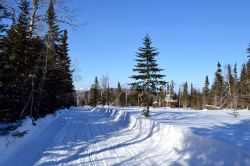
(86, 136)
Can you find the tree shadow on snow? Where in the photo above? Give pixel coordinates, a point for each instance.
(234, 134)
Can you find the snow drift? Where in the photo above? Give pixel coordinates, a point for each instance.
(170, 145)
(101, 136)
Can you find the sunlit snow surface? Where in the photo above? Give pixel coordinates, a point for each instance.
(101, 136)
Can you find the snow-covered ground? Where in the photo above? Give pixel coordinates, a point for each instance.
(101, 136)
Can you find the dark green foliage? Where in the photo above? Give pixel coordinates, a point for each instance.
(185, 96)
(16, 63)
(94, 93)
(147, 78)
(35, 75)
(206, 95)
(217, 87)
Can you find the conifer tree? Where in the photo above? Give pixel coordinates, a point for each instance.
(94, 93)
(217, 87)
(118, 93)
(66, 82)
(206, 99)
(247, 83)
(192, 97)
(147, 78)
(51, 84)
(15, 62)
(235, 88)
(172, 89)
(229, 84)
(242, 86)
(185, 96)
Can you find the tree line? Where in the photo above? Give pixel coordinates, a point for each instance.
(231, 90)
(35, 74)
(101, 93)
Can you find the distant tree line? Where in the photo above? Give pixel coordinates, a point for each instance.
(104, 95)
(231, 90)
(35, 74)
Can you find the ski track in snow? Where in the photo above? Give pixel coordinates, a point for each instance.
(100, 136)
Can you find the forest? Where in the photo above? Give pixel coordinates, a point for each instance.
(35, 74)
(36, 77)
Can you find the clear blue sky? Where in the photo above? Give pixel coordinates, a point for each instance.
(192, 36)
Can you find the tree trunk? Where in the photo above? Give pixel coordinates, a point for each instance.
(146, 114)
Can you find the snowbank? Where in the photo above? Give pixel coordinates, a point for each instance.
(177, 146)
(9, 143)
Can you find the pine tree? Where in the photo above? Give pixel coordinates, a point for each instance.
(94, 93)
(230, 84)
(192, 97)
(172, 89)
(242, 86)
(247, 83)
(185, 96)
(66, 82)
(235, 87)
(118, 93)
(16, 64)
(50, 86)
(218, 86)
(147, 78)
(206, 99)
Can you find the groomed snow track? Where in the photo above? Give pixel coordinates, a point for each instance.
(100, 136)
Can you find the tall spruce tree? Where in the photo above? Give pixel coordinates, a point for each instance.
(247, 82)
(185, 96)
(229, 83)
(67, 91)
(206, 99)
(217, 87)
(50, 91)
(235, 88)
(242, 87)
(16, 63)
(94, 93)
(147, 78)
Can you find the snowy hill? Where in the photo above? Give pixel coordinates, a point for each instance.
(101, 136)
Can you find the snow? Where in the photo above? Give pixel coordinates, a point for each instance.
(102, 136)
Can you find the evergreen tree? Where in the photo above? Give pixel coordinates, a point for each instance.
(147, 78)
(94, 93)
(229, 84)
(206, 99)
(51, 92)
(66, 82)
(242, 87)
(118, 93)
(172, 89)
(218, 86)
(185, 96)
(16, 64)
(247, 83)
(235, 87)
(193, 96)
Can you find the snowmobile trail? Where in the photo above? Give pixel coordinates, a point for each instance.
(86, 136)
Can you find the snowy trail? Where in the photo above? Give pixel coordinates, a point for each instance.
(85, 136)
